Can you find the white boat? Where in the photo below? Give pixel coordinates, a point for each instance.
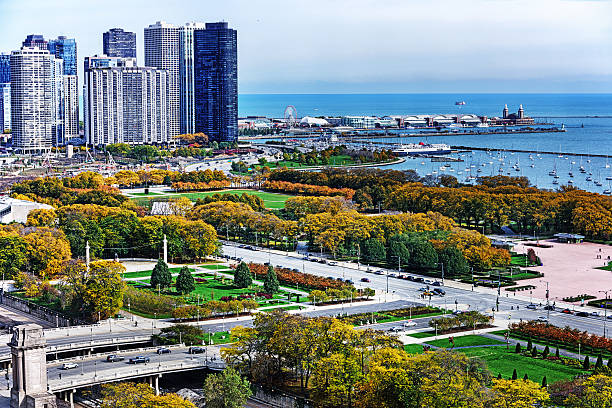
(422, 148)
(482, 125)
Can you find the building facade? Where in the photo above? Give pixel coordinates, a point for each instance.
(162, 52)
(119, 43)
(5, 107)
(186, 77)
(35, 40)
(65, 49)
(5, 92)
(32, 99)
(126, 104)
(216, 82)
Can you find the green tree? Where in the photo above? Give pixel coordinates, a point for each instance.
(103, 292)
(529, 344)
(145, 152)
(599, 362)
(422, 254)
(270, 281)
(374, 251)
(586, 364)
(180, 333)
(514, 374)
(517, 349)
(454, 262)
(226, 390)
(544, 382)
(398, 249)
(242, 277)
(546, 352)
(184, 281)
(161, 277)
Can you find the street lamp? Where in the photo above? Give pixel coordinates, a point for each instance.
(605, 309)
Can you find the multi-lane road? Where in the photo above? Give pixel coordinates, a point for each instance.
(511, 308)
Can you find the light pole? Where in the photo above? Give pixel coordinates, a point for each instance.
(605, 309)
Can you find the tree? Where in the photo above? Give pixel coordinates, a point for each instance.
(104, 287)
(525, 377)
(595, 392)
(544, 382)
(226, 390)
(422, 254)
(242, 276)
(529, 344)
(514, 374)
(271, 281)
(335, 380)
(517, 349)
(586, 364)
(374, 251)
(534, 352)
(557, 353)
(517, 394)
(599, 362)
(546, 352)
(454, 262)
(184, 281)
(180, 333)
(161, 276)
(132, 395)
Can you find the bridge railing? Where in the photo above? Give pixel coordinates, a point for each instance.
(151, 369)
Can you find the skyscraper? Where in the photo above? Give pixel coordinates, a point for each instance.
(186, 78)
(216, 82)
(32, 102)
(5, 92)
(35, 40)
(65, 49)
(162, 52)
(5, 68)
(119, 43)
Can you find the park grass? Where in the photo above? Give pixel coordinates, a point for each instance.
(466, 341)
(500, 360)
(271, 200)
(606, 268)
(422, 335)
(414, 348)
(147, 274)
(339, 160)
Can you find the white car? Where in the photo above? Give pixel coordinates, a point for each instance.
(69, 366)
(542, 319)
(410, 323)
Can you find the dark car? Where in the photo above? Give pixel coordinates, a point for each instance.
(419, 280)
(164, 350)
(439, 291)
(139, 360)
(549, 307)
(340, 279)
(582, 314)
(365, 280)
(436, 283)
(114, 357)
(196, 350)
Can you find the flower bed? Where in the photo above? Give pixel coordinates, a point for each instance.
(565, 337)
(578, 298)
(601, 303)
(520, 288)
(289, 277)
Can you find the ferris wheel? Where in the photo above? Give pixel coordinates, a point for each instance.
(290, 116)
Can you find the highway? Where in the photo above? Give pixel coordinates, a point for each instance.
(480, 298)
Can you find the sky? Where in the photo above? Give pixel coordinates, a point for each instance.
(363, 46)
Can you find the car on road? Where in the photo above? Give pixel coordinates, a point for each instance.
(392, 275)
(567, 311)
(420, 280)
(139, 360)
(436, 283)
(610, 316)
(594, 314)
(423, 289)
(396, 329)
(332, 263)
(111, 358)
(196, 350)
(322, 261)
(542, 319)
(410, 323)
(163, 350)
(439, 291)
(379, 273)
(331, 277)
(340, 279)
(69, 366)
(532, 306)
(365, 280)
(428, 281)
(549, 307)
(582, 314)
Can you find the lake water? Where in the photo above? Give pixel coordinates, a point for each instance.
(586, 117)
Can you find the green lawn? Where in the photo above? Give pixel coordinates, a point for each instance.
(271, 200)
(500, 360)
(606, 268)
(422, 335)
(464, 341)
(414, 348)
(146, 274)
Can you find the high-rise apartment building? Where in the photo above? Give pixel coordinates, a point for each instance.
(5, 92)
(186, 78)
(119, 43)
(124, 103)
(32, 99)
(216, 82)
(65, 49)
(162, 52)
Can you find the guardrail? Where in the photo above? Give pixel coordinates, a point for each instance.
(66, 384)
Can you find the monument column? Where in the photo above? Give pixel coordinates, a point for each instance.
(29, 361)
